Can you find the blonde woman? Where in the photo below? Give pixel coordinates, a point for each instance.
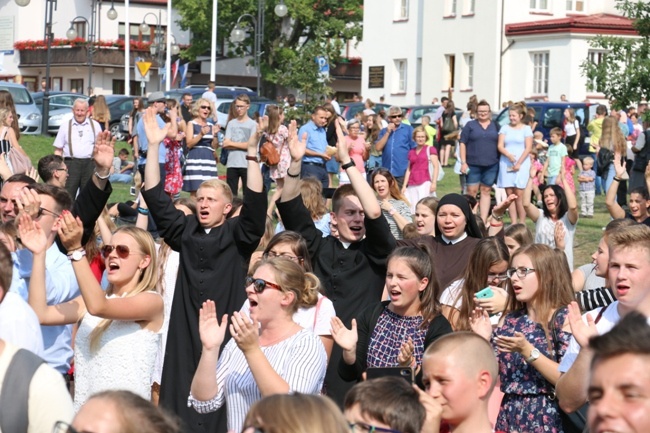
(201, 140)
(610, 146)
(119, 325)
(101, 113)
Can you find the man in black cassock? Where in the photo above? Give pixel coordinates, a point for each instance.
(214, 256)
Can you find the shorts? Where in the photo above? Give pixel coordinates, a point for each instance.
(484, 175)
(332, 166)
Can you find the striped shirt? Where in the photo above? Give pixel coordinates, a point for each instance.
(300, 360)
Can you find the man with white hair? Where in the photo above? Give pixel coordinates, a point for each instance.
(75, 142)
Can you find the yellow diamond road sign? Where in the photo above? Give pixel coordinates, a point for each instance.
(143, 67)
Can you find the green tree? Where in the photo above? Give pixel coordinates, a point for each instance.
(290, 45)
(624, 72)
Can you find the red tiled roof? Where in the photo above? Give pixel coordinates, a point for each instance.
(607, 24)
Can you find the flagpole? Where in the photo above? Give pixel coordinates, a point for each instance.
(213, 47)
(168, 57)
(127, 50)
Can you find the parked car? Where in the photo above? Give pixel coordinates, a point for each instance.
(118, 105)
(350, 109)
(550, 115)
(29, 117)
(258, 105)
(57, 100)
(414, 113)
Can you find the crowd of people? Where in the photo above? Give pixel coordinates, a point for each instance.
(199, 313)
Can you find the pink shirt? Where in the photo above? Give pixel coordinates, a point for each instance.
(357, 147)
(419, 165)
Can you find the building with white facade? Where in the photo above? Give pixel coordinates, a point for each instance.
(500, 50)
(69, 68)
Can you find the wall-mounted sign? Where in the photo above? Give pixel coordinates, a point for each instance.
(375, 77)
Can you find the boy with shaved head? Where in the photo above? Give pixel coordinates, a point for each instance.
(459, 374)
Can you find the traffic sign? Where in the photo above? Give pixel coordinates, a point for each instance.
(142, 71)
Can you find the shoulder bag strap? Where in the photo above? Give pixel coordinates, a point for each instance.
(14, 396)
(70, 137)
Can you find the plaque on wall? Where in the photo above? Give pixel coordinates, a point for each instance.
(375, 77)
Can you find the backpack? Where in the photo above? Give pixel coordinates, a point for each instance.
(448, 125)
(605, 158)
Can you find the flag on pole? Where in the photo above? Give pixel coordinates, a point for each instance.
(183, 71)
(175, 71)
(163, 73)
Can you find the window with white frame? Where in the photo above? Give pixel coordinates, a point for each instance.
(540, 73)
(596, 57)
(399, 84)
(469, 7)
(469, 70)
(401, 9)
(540, 5)
(450, 7)
(575, 5)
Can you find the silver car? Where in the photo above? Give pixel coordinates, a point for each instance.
(29, 117)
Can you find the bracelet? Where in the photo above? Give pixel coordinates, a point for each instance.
(348, 165)
(102, 177)
(499, 224)
(143, 211)
(617, 179)
(293, 175)
(498, 218)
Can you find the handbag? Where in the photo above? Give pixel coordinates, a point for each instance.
(574, 422)
(269, 155)
(18, 162)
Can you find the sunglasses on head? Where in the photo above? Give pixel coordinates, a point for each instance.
(259, 284)
(122, 251)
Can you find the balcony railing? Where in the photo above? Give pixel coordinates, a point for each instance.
(78, 56)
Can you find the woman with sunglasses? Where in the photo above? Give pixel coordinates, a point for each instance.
(531, 338)
(395, 333)
(315, 311)
(268, 354)
(201, 140)
(123, 323)
(486, 269)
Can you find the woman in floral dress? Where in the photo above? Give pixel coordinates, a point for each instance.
(278, 134)
(531, 339)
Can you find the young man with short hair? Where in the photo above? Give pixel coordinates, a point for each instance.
(619, 384)
(214, 255)
(238, 132)
(352, 267)
(313, 163)
(53, 171)
(459, 372)
(384, 403)
(629, 276)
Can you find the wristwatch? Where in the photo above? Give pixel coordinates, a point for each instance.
(347, 165)
(76, 255)
(534, 354)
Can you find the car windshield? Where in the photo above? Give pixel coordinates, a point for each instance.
(20, 95)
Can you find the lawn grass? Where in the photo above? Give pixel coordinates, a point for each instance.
(586, 240)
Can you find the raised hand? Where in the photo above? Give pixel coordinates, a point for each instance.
(433, 411)
(516, 343)
(582, 331)
(70, 230)
(405, 357)
(29, 202)
(31, 234)
(104, 151)
(344, 337)
(155, 134)
(479, 321)
(245, 332)
(297, 147)
(211, 332)
(501, 208)
(33, 173)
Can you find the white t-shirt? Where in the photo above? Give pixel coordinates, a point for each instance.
(19, 324)
(571, 128)
(607, 321)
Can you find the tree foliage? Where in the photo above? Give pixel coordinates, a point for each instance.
(624, 73)
(290, 45)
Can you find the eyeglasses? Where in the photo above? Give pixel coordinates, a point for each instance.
(64, 427)
(122, 251)
(521, 272)
(497, 277)
(273, 254)
(396, 116)
(259, 284)
(205, 107)
(363, 428)
(42, 210)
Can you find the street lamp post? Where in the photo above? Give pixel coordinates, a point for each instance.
(50, 6)
(238, 34)
(157, 47)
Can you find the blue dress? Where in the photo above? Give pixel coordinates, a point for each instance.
(515, 143)
(200, 164)
(529, 404)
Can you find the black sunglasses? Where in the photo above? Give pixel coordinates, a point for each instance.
(397, 116)
(206, 107)
(122, 251)
(259, 284)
